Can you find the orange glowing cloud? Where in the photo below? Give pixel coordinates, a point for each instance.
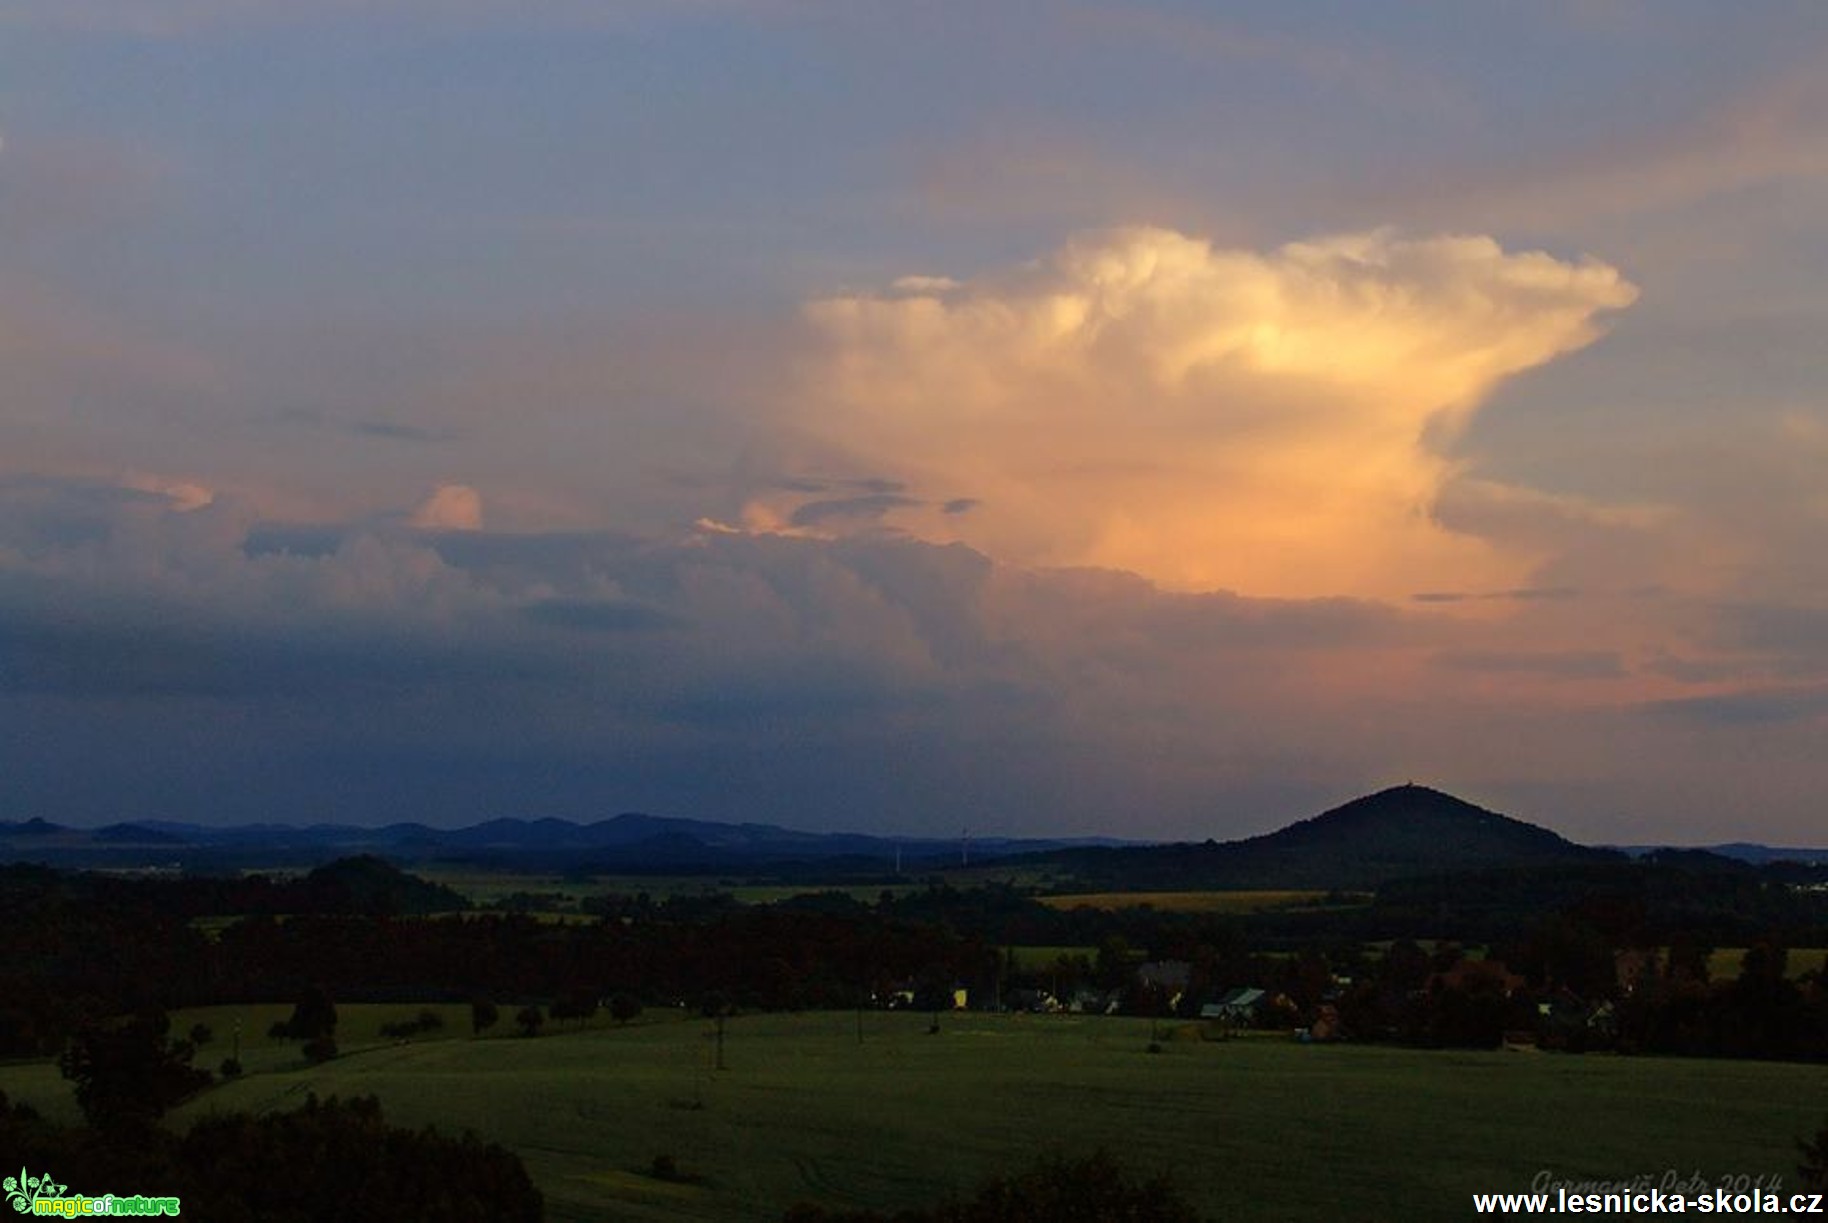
(450, 507)
(183, 495)
(1265, 422)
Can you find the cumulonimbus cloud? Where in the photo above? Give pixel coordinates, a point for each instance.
(1269, 422)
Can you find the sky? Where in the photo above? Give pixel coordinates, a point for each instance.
(1163, 420)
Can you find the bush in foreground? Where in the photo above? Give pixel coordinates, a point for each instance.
(1091, 1189)
(1814, 1168)
(330, 1159)
(339, 1160)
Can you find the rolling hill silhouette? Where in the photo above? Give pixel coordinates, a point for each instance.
(1403, 831)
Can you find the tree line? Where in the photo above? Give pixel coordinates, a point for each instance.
(109, 946)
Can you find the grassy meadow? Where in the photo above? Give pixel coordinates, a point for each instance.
(1724, 963)
(487, 889)
(1187, 902)
(1258, 1128)
(1041, 959)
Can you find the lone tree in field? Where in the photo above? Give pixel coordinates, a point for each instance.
(483, 1015)
(530, 1020)
(624, 1007)
(933, 994)
(313, 1017)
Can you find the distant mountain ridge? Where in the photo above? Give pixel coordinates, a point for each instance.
(1739, 851)
(628, 842)
(1404, 831)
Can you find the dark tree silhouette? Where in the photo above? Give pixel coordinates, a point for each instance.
(127, 1074)
(483, 1016)
(313, 1017)
(933, 994)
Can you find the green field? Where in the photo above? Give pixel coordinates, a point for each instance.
(1187, 902)
(489, 888)
(1041, 959)
(1252, 1129)
(1724, 963)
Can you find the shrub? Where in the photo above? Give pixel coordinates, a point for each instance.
(336, 1159)
(1092, 1189)
(1814, 1168)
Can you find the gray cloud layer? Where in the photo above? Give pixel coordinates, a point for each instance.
(196, 663)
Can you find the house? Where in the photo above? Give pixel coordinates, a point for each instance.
(1240, 1005)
